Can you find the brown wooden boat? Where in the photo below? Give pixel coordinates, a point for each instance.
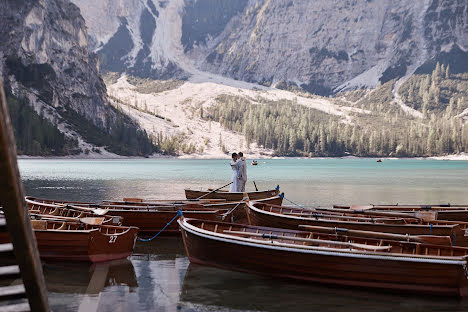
(207, 203)
(150, 219)
(321, 258)
(237, 207)
(230, 196)
(78, 241)
(41, 210)
(444, 212)
(292, 218)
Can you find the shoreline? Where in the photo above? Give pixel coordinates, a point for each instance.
(459, 157)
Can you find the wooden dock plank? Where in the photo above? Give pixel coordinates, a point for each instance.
(15, 291)
(9, 270)
(16, 307)
(6, 248)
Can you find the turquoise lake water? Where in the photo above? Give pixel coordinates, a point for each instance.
(305, 181)
(158, 276)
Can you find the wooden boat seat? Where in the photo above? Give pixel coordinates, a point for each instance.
(39, 224)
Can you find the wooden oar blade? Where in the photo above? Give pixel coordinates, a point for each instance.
(92, 221)
(99, 211)
(426, 215)
(370, 247)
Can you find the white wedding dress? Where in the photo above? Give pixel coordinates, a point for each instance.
(233, 187)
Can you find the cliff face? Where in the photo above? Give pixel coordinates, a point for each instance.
(45, 58)
(324, 46)
(331, 45)
(134, 35)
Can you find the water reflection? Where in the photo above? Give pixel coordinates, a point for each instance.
(79, 276)
(158, 277)
(79, 286)
(226, 291)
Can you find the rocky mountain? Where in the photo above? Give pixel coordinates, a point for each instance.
(395, 70)
(321, 46)
(180, 68)
(45, 62)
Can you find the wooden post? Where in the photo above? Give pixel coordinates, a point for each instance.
(17, 217)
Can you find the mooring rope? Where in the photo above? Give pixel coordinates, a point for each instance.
(282, 196)
(179, 213)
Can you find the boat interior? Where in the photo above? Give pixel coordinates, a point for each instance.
(305, 239)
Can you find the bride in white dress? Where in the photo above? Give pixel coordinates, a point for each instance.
(234, 168)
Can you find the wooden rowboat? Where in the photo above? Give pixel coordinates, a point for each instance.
(42, 210)
(149, 219)
(77, 241)
(318, 257)
(239, 206)
(230, 196)
(108, 207)
(292, 218)
(206, 203)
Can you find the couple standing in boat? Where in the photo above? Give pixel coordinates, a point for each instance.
(239, 172)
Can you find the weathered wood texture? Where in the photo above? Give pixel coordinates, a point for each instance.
(16, 214)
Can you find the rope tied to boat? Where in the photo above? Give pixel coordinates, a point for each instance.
(282, 196)
(229, 212)
(179, 213)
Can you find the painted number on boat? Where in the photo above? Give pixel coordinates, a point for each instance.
(112, 239)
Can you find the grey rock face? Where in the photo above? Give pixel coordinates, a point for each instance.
(321, 45)
(324, 46)
(45, 54)
(123, 34)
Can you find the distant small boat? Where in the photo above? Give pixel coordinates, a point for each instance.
(380, 160)
(254, 163)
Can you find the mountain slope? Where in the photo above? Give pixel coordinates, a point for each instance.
(321, 46)
(238, 54)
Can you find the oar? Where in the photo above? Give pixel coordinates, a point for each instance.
(428, 239)
(85, 220)
(214, 191)
(423, 215)
(317, 241)
(230, 211)
(255, 186)
(331, 216)
(96, 211)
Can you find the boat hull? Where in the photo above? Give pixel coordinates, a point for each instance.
(88, 246)
(436, 277)
(234, 196)
(264, 218)
(151, 221)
